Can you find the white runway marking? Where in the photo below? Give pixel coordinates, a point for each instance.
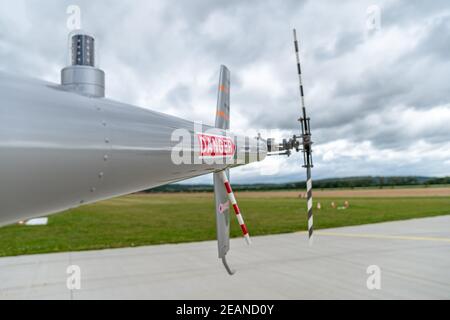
(380, 236)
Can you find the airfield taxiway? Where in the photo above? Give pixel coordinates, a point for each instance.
(412, 257)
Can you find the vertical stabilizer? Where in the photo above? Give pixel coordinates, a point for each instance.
(220, 193)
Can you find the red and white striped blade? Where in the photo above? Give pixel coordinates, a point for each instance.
(237, 211)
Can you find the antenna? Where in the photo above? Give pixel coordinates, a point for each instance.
(306, 141)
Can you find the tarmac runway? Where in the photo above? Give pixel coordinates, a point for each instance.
(413, 258)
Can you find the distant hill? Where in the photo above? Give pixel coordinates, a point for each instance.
(349, 182)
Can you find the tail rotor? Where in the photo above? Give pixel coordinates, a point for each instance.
(223, 192)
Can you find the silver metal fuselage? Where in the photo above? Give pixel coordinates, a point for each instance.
(59, 149)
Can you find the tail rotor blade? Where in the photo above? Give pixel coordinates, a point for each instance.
(236, 208)
(306, 141)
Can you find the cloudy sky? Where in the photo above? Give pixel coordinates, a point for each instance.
(376, 73)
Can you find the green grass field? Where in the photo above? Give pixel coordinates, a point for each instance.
(142, 219)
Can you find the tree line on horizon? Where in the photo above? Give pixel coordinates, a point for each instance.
(330, 183)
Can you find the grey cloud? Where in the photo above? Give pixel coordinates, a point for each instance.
(413, 79)
(404, 13)
(345, 43)
(436, 42)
